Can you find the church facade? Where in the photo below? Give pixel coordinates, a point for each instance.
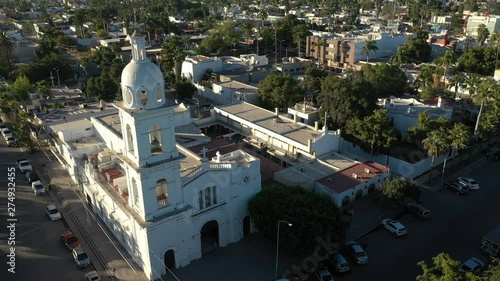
(166, 205)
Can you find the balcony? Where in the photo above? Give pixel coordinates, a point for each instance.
(111, 180)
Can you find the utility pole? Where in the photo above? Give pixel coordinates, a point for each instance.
(275, 44)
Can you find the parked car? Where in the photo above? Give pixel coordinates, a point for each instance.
(69, 240)
(32, 176)
(472, 265)
(418, 210)
(357, 252)
(53, 213)
(2, 125)
(337, 262)
(6, 131)
(92, 276)
(322, 273)
(24, 165)
(456, 187)
(38, 188)
(395, 227)
(80, 257)
(469, 182)
(10, 140)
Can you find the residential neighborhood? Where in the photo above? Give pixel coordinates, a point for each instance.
(262, 140)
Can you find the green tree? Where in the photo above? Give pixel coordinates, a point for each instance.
(472, 81)
(313, 215)
(300, 32)
(435, 144)
(279, 91)
(184, 89)
(481, 61)
(20, 88)
(488, 91)
(92, 89)
(426, 77)
(79, 18)
(395, 189)
(445, 61)
(172, 56)
(344, 99)
(457, 81)
(490, 123)
(459, 136)
(22, 132)
(7, 48)
(443, 268)
(387, 80)
(313, 78)
(43, 89)
(375, 130)
(107, 88)
(369, 47)
(482, 34)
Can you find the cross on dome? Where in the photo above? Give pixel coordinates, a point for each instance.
(138, 44)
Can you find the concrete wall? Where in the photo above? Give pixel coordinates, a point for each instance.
(397, 166)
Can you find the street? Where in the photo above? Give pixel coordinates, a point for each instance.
(39, 253)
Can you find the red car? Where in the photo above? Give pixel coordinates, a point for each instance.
(69, 240)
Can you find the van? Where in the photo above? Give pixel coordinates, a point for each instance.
(418, 210)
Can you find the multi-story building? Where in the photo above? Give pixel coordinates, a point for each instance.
(492, 23)
(166, 205)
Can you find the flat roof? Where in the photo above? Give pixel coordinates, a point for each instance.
(345, 179)
(237, 85)
(266, 119)
(112, 121)
(70, 125)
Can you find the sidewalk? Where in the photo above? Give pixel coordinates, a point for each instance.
(436, 184)
(110, 260)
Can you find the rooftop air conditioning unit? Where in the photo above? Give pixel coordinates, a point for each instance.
(354, 175)
(367, 170)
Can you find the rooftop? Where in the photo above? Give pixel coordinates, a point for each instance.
(413, 107)
(112, 121)
(266, 119)
(352, 176)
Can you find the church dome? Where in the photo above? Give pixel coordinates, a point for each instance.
(142, 81)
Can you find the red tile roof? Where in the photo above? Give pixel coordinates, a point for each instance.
(344, 180)
(447, 102)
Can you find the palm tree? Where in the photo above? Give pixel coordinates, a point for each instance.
(457, 81)
(318, 44)
(151, 24)
(435, 144)
(7, 47)
(299, 33)
(426, 77)
(446, 61)
(487, 90)
(482, 34)
(370, 46)
(472, 81)
(79, 18)
(459, 136)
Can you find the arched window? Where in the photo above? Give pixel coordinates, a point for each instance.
(135, 192)
(143, 97)
(214, 195)
(130, 139)
(208, 201)
(162, 192)
(159, 93)
(155, 139)
(200, 199)
(127, 96)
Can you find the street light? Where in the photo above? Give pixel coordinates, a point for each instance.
(58, 81)
(278, 245)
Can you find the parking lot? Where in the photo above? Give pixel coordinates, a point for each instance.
(39, 253)
(457, 226)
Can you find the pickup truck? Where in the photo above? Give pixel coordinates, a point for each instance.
(24, 165)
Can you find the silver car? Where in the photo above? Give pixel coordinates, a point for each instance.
(357, 252)
(80, 257)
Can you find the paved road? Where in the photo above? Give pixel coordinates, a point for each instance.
(39, 252)
(457, 227)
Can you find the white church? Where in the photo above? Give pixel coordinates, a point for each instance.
(165, 204)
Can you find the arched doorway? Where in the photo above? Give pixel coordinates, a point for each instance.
(209, 237)
(246, 226)
(169, 259)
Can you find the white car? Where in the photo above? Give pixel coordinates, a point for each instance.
(53, 213)
(357, 252)
(10, 140)
(24, 165)
(469, 182)
(394, 227)
(6, 131)
(38, 188)
(92, 276)
(472, 265)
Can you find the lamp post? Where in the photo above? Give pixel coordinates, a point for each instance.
(278, 246)
(58, 81)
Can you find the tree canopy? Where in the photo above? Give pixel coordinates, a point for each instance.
(278, 90)
(479, 61)
(344, 99)
(313, 215)
(387, 80)
(395, 189)
(313, 78)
